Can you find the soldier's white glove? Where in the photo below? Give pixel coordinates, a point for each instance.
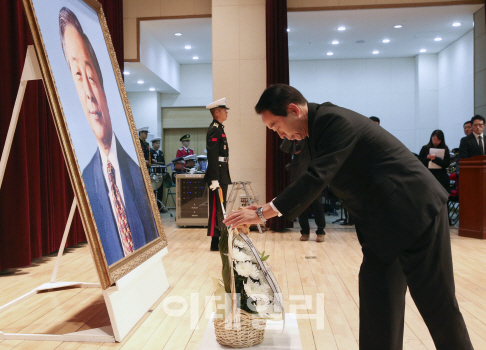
(214, 185)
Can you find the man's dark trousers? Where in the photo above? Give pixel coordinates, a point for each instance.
(426, 267)
(317, 209)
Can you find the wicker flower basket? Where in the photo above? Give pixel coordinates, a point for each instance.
(239, 329)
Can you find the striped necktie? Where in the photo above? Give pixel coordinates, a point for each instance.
(121, 217)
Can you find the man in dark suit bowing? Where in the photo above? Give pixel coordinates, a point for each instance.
(398, 207)
(473, 144)
(113, 181)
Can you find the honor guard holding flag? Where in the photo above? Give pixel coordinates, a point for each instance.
(217, 172)
(142, 134)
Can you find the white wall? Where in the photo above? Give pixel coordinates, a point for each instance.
(426, 99)
(456, 88)
(156, 58)
(196, 87)
(146, 111)
(381, 87)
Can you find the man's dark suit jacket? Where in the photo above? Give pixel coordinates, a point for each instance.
(469, 147)
(137, 205)
(391, 196)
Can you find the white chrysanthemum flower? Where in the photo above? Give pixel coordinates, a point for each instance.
(239, 243)
(238, 255)
(256, 273)
(246, 269)
(251, 288)
(262, 306)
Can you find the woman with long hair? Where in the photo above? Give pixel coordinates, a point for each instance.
(437, 140)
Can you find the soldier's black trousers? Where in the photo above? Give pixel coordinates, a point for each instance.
(214, 208)
(426, 268)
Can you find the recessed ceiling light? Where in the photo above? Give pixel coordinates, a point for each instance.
(335, 42)
(152, 89)
(140, 82)
(288, 30)
(195, 58)
(330, 54)
(126, 72)
(456, 24)
(386, 41)
(423, 50)
(376, 52)
(437, 39)
(187, 47)
(398, 26)
(178, 34)
(341, 28)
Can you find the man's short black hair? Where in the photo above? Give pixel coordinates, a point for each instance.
(468, 122)
(478, 117)
(375, 119)
(276, 98)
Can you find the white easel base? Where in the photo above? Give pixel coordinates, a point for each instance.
(127, 301)
(102, 335)
(274, 339)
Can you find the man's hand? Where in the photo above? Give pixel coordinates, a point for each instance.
(244, 216)
(214, 185)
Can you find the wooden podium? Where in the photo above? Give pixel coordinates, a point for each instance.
(472, 197)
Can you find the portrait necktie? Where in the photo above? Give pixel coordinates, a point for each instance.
(121, 217)
(481, 144)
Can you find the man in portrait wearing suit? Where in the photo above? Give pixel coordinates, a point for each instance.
(473, 144)
(113, 181)
(399, 208)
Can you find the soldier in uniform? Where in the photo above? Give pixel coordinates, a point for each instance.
(155, 152)
(217, 172)
(178, 168)
(185, 150)
(142, 134)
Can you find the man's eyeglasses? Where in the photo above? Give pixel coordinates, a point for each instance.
(478, 125)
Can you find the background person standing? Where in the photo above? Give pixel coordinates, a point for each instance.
(217, 172)
(437, 140)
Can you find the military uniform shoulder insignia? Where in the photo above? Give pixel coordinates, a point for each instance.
(215, 124)
(181, 149)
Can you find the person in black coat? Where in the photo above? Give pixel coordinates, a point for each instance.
(217, 171)
(473, 144)
(399, 209)
(437, 141)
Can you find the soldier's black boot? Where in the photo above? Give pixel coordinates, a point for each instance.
(214, 244)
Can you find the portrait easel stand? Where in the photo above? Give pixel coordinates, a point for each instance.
(127, 300)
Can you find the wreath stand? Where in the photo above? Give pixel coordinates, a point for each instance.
(127, 300)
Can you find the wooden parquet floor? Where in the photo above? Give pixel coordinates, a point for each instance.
(327, 273)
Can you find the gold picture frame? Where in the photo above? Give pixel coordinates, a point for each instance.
(108, 274)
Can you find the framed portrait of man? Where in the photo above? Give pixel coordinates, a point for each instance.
(97, 133)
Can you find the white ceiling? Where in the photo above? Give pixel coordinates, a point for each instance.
(311, 34)
(196, 32)
(138, 71)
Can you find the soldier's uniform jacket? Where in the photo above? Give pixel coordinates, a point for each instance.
(146, 149)
(217, 146)
(182, 152)
(157, 156)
